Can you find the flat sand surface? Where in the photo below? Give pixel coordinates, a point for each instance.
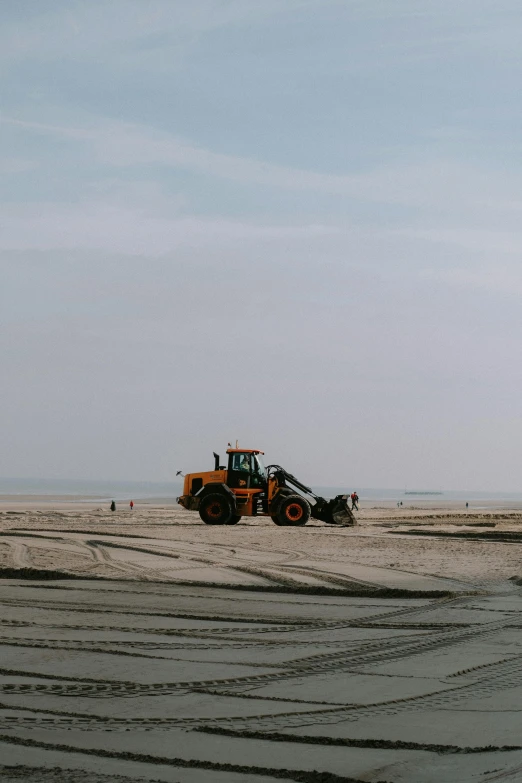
(148, 646)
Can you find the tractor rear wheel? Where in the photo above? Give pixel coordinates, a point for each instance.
(294, 511)
(216, 509)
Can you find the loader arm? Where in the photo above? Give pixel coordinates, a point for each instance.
(333, 512)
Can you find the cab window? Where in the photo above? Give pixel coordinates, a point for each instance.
(241, 462)
(258, 466)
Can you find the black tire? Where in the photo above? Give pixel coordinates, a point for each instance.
(234, 520)
(294, 511)
(216, 509)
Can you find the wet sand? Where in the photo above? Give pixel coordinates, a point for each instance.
(148, 646)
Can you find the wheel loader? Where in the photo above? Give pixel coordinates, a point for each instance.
(245, 488)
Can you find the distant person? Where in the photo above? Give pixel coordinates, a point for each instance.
(467, 504)
(131, 504)
(113, 506)
(354, 498)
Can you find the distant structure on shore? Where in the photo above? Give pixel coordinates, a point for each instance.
(424, 493)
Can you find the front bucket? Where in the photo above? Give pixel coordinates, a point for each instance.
(334, 512)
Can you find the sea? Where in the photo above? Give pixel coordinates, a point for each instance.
(167, 492)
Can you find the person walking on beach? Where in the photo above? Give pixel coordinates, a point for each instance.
(354, 498)
(113, 506)
(131, 504)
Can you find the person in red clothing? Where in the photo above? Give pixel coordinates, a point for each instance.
(131, 504)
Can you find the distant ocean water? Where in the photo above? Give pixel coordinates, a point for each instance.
(95, 490)
(423, 497)
(135, 490)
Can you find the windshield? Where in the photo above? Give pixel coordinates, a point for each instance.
(258, 465)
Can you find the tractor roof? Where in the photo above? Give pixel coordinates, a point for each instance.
(244, 451)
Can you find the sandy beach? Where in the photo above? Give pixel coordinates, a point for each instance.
(148, 646)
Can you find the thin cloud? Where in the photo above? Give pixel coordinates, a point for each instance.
(121, 145)
(136, 222)
(87, 28)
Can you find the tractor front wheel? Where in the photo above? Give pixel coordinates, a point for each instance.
(234, 520)
(294, 511)
(216, 509)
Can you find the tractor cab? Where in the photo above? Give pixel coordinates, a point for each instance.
(246, 469)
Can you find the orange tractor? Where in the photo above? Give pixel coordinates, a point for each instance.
(246, 488)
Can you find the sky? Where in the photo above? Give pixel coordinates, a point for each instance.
(295, 223)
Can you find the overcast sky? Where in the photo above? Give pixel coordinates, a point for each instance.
(297, 223)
